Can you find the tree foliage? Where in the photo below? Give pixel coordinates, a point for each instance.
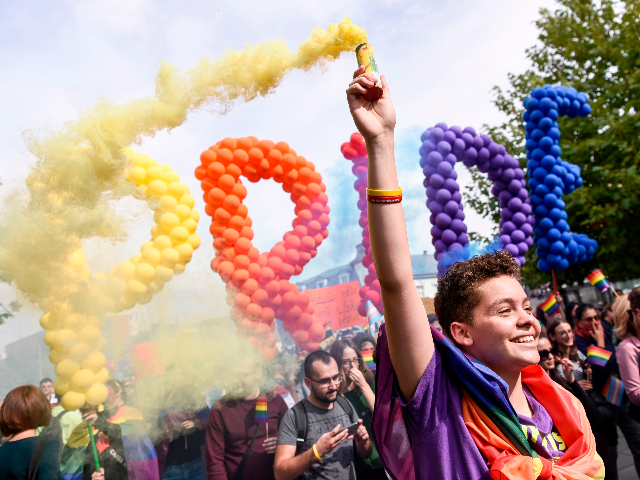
(592, 46)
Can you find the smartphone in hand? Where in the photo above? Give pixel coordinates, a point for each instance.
(351, 429)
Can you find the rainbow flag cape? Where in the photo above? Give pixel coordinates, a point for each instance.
(598, 356)
(496, 429)
(367, 357)
(123, 447)
(550, 305)
(328, 333)
(613, 390)
(261, 410)
(373, 317)
(598, 280)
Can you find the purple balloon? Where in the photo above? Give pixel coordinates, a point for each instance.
(431, 192)
(519, 218)
(444, 147)
(436, 180)
(458, 226)
(514, 186)
(451, 159)
(470, 130)
(456, 197)
(443, 220)
(517, 236)
(449, 137)
(523, 194)
(484, 166)
(514, 204)
(434, 158)
(508, 227)
(428, 170)
(451, 208)
(468, 139)
(522, 248)
(460, 214)
(508, 174)
(451, 185)
(435, 207)
(443, 196)
(436, 232)
(459, 146)
(527, 229)
(448, 236)
(497, 162)
(483, 155)
(512, 249)
(463, 239)
(506, 214)
(505, 239)
(455, 245)
(436, 134)
(445, 168)
(471, 154)
(440, 245)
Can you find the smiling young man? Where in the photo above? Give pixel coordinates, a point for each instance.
(472, 403)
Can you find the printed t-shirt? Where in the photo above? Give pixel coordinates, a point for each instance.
(335, 465)
(441, 443)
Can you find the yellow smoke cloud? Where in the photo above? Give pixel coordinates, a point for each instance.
(83, 168)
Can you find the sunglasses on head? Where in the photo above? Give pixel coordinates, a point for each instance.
(544, 354)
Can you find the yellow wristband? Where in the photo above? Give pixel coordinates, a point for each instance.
(384, 193)
(315, 452)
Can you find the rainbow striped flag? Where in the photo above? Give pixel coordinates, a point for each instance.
(598, 356)
(550, 305)
(598, 280)
(261, 410)
(367, 357)
(328, 333)
(613, 390)
(279, 378)
(302, 356)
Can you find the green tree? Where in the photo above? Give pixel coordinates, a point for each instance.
(592, 46)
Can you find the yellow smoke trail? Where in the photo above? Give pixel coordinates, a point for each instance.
(82, 169)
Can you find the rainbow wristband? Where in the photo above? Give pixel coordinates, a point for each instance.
(315, 452)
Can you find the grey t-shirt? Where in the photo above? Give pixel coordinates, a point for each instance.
(337, 464)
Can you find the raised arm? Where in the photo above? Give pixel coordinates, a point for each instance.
(409, 337)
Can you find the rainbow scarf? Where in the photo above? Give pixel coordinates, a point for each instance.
(492, 422)
(598, 280)
(123, 447)
(550, 305)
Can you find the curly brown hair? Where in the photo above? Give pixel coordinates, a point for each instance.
(458, 294)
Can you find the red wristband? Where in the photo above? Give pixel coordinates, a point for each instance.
(393, 199)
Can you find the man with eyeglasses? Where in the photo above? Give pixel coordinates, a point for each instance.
(313, 443)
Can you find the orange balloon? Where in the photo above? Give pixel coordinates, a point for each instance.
(225, 156)
(207, 157)
(246, 232)
(254, 309)
(304, 321)
(239, 191)
(316, 332)
(288, 162)
(216, 196)
(249, 286)
(268, 315)
(226, 269)
(254, 269)
(272, 287)
(226, 182)
(243, 245)
(241, 261)
(241, 300)
(201, 172)
(230, 143)
(240, 158)
(233, 170)
(245, 143)
(230, 236)
(215, 170)
(222, 216)
(255, 156)
(265, 145)
(238, 223)
(260, 296)
(253, 254)
(282, 146)
(231, 204)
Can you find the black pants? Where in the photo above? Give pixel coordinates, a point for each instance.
(631, 431)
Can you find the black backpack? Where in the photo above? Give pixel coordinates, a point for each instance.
(302, 422)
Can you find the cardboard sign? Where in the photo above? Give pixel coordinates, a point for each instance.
(337, 306)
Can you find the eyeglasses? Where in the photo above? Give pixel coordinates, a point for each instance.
(355, 362)
(544, 354)
(567, 333)
(325, 382)
(595, 318)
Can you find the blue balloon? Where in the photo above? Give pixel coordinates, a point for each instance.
(545, 143)
(553, 235)
(543, 266)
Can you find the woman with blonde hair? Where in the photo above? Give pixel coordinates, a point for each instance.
(627, 315)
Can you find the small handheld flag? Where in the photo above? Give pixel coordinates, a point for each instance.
(598, 280)
(613, 390)
(373, 316)
(550, 305)
(279, 378)
(367, 357)
(598, 356)
(328, 333)
(301, 356)
(261, 410)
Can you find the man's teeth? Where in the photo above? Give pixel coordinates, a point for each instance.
(526, 339)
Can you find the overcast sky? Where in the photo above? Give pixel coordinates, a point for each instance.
(441, 60)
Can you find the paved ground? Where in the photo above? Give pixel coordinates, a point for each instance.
(626, 469)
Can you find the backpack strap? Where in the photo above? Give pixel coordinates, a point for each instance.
(36, 457)
(348, 408)
(301, 423)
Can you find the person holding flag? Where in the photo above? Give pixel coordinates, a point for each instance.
(471, 403)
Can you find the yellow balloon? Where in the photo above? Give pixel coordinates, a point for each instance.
(152, 256)
(74, 321)
(154, 173)
(170, 255)
(194, 241)
(56, 356)
(169, 221)
(185, 250)
(72, 400)
(125, 270)
(102, 376)
(49, 338)
(61, 386)
(157, 188)
(136, 287)
(79, 352)
(168, 202)
(179, 235)
(176, 189)
(164, 274)
(145, 270)
(96, 394)
(44, 321)
(169, 176)
(67, 368)
(82, 379)
(183, 212)
(89, 335)
(137, 174)
(187, 200)
(95, 361)
(162, 242)
(195, 215)
(190, 225)
(65, 339)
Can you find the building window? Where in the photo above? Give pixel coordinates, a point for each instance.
(420, 290)
(302, 288)
(321, 283)
(343, 278)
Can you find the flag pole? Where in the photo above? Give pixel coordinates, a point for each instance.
(555, 281)
(93, 446)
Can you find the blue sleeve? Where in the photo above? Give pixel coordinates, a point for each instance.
(50, 463)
